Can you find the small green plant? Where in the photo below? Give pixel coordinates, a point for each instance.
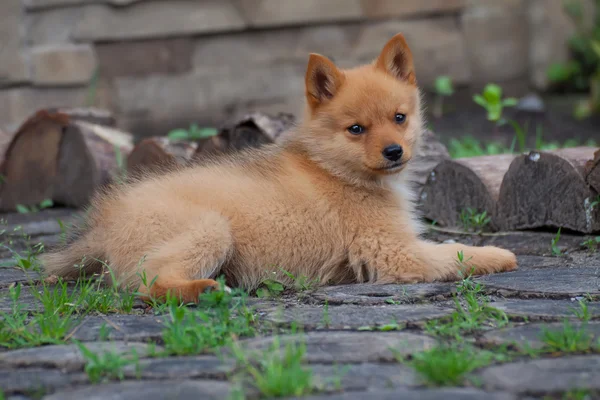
(578, 394)
(473, 220)
(570, 339)
(443, 88)
(556, 251)
(107, 365)
(192, 133)
(592, 244)
(23, 209)
(448, 365)
(468, 146)
(276, 372)
(270, 288)
(491, 99)
(583, 312)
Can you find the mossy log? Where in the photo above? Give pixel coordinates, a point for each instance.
(55, 156)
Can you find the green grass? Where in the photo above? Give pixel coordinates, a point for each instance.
(275, 372)
(473, 221)
(107, 365)
(592, 244)
(554, 248)
(219, 320)
(23, 209)
(569, 339)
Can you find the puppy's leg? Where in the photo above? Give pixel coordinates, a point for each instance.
(184, 265)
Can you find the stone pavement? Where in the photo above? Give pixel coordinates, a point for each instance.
(363, 328)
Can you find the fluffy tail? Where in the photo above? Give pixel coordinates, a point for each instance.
(79, 258)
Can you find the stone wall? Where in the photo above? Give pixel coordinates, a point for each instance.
(162, 63)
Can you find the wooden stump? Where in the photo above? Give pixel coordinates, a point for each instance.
(454, 186)
(53, 156)
(159, 152)
(592, 168)
(549, 190)
(254, 130)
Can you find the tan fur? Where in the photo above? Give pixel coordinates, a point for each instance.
(321, 204)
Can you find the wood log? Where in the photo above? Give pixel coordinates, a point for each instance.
(592, 169)
(454, 186)
(549, 190)
(158, 152)
(92, 115)
(54, 157)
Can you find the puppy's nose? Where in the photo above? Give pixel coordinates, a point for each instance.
(393, 152)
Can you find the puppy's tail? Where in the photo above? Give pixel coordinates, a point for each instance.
(81, 257)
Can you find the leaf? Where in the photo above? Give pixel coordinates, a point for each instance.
(203, 133)
(595, 45)
(480, 100)
(559, 73)
(46, 203)
(22, 209)
(510, 102)
(365, 328)
(178, 134)
(492, 93)
(443, 85)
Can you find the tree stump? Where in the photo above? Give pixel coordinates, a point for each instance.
(254, 130)
(158, 152)
(53, 156)
(549, 190)
(454, 186)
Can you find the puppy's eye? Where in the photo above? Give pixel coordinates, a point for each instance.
(400, 118)
(356, 129)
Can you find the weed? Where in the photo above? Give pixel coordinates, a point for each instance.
(474, 221)
(271, 288)
(326, 319)
(448, 365)
(276, 372)
(443, 88)
(583, 312)
(193, 133)
(556, 251)
(301, 283)
(578, 394)
(107, 365)
(392, 326)
(219, 320)
(592, 244)
(491, 99)
(570, 339)
(23, 209)
(468, 146)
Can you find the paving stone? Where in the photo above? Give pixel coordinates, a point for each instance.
(530, 335)
(546, 282)
(161, 390)
(493, 35)
(63, 65)
(138, 328)
(68, 357)
(369, 294)
(27, 302)
(10, 276)
(286, 12)
(182, 368)
(542, 309)
(545, 375)
(349, 347)
(417, 394)
(353, 317)
(37, 380)
(393, 8)
(363, 376)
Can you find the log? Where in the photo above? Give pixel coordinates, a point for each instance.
(92, 115)
(549, 190)
(429, 154)
(158, 152)
(53, 156)
(592, 168)
(454, 186)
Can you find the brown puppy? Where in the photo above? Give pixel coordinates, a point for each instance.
(332, 203)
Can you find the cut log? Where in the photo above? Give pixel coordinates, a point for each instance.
(549, 190)
(429, 154)
(87, 114)
(454, 186)
(55, 157)
(592, 168)
(158, 152)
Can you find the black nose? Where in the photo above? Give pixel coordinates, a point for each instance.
(393, 152)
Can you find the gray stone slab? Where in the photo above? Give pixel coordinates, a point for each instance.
(27, 302)
(382, 294)
(530, 335)
(160, 390)
(546, 282)
(544, 375)
(67, 357)
(544, 309)
(362, 376)
(137, 328)
(353, 317)
(37, 380)
(10, 276)
(329, 347)
(182, 368)
(418, 394)
(532, 262)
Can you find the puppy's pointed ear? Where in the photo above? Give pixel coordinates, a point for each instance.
(323, 79)
(396, 59)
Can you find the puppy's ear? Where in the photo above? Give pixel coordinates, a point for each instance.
(322, 81)
(396, 59)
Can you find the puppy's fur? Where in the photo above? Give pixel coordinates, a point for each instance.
(325, 204)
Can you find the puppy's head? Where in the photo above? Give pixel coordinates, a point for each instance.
(364, 121)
